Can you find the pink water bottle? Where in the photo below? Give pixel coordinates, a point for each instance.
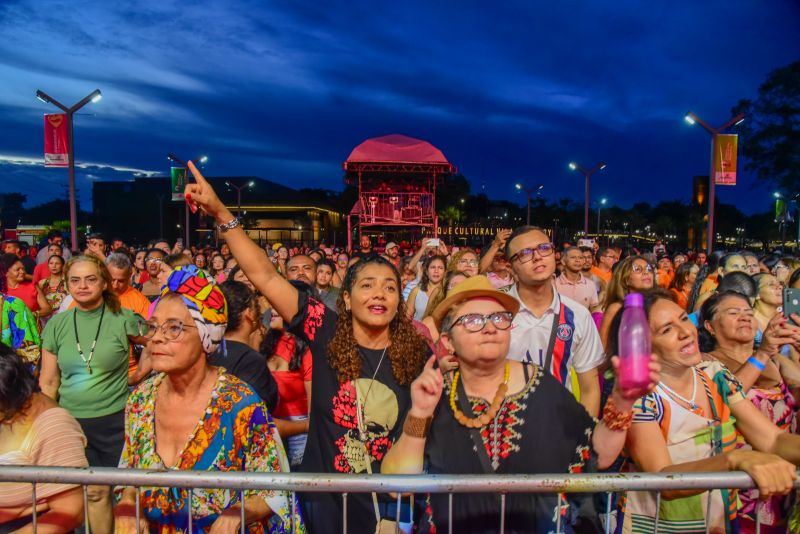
(634, 345)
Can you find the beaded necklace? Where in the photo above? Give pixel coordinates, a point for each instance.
(487, 416)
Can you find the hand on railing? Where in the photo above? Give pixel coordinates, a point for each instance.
(772, 474)
(125, 519)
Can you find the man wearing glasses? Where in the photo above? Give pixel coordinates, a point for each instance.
(551, 330)
(606, 258)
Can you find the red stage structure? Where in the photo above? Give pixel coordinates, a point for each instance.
(396, 178)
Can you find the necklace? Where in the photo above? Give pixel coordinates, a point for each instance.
(692, 404)
(362, 424)
(87, 361)
(488, 415)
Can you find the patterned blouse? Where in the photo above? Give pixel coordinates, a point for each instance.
(235, 434)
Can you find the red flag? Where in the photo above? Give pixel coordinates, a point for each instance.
(56, 152)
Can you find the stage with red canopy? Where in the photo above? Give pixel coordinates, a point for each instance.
(396, 178)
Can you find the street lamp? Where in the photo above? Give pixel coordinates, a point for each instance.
(587, 175)
(92, 97)
(239, 188)
(201, 160)
(530, 191)
(692, 119)
(599, 208)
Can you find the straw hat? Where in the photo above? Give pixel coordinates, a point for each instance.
(473, 287)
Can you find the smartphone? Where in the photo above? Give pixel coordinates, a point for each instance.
(791, 303)
(433, 242)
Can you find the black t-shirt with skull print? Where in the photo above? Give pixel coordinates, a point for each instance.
(334, 443)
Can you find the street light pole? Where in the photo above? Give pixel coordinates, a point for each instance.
(93, 97)
(587, 175)
(599, 208)
(529, 191)
(692, 118)
(239, 194)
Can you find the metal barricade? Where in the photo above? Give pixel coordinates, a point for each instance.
(347, 484)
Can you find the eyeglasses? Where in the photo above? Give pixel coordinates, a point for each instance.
(475, 322)
(153, 260)
(171, 329)
(473, 263)
(526, 254)
(638, 269)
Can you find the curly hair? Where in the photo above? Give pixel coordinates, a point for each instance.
(407, 349)
(109, 297)
(17, 385)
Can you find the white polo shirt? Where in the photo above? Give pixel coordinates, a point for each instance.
(530, 335)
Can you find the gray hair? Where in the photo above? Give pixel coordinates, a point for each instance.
(119, 260)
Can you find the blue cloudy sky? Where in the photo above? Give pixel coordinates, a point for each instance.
(510, 91)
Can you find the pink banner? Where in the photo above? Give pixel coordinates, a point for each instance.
(56, 149)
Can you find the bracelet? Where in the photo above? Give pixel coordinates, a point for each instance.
(615, 419)
(417, 427)
(755, 363)
(230, 225)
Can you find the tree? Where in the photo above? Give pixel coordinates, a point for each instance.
(451, 215)
(771, 133)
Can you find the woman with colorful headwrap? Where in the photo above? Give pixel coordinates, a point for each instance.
(85, 368)
(228, 425)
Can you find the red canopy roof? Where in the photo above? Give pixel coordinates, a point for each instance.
(396, 148)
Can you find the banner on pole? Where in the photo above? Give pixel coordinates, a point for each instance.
(178, 183)
(725, 149)
(56, 144)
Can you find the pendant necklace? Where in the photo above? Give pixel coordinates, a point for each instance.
(692, 404)
(88, 361)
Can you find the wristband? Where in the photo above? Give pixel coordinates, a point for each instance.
(755, 363)
(417, 427)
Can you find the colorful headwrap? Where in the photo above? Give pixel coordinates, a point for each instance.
(205, 301)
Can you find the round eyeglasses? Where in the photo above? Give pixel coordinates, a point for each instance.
(475, 322)
(171, 329)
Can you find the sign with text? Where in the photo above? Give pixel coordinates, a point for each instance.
(178, 175)
(477, 231)
(725, 149)
(56, 135)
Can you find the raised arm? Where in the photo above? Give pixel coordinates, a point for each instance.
(252, 259)
(498, 243)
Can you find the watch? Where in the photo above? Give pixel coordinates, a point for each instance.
(230, 225)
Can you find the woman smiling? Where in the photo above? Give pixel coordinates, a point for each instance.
(365, 356)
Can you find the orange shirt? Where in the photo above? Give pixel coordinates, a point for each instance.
(665, 278)
(133, 300)
(605, 276)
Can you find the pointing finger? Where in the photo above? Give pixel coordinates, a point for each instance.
(431, 362)
(196, 173)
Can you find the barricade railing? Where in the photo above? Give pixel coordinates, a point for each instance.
(609, 483)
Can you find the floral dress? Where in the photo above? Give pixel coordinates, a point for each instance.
(778, 405)
(18, 329)
(235, 434)
(54, 295)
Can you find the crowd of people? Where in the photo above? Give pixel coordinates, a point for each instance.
(415, 359)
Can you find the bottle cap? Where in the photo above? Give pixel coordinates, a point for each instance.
(634, 300)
